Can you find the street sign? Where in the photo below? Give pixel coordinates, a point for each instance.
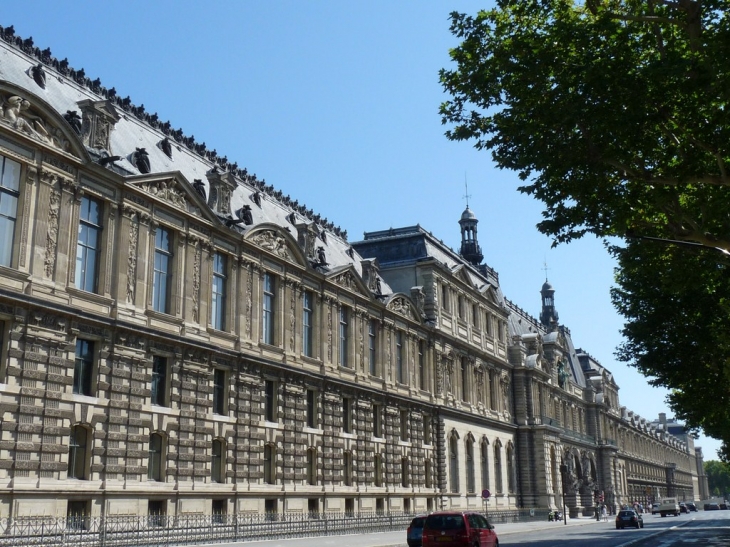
(486, 494)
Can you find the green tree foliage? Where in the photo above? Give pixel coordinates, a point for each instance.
(677, 305)
(718, 477)
(614, 113)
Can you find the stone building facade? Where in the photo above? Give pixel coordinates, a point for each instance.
(178, 337)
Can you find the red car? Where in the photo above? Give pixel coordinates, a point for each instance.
(458, 529)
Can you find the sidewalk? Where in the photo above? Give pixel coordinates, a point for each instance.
(397, 539)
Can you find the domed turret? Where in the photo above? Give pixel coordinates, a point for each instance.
(470, 249)
(548, 315)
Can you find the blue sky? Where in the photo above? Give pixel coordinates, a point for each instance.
(336, 104)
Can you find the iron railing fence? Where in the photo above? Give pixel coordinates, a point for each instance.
(168, 531)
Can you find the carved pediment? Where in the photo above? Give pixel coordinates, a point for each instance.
(174, 189)
(25, 115)
(167, 190)
(490, 294)
(349, 279)
(272, 242)
(460, 272)
(402, 305)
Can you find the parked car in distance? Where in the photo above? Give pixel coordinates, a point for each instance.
(654, 508)
(683, 507)
(712, 507)
(415, 531)
(723, 506)
(628, 517)
(458, 529)
(691, 506)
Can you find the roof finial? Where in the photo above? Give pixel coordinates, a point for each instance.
(545, 267)
(467, 195)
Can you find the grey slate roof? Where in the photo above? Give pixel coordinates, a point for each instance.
(66, 87)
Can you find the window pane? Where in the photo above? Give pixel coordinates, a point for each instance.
(11, 174)
(8, 205)
(83, 367)
(162, 266)
(159, 381)
(217, 307)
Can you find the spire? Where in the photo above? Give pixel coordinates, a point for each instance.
(548, 315)
(470, 249)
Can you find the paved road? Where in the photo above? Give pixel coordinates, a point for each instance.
(398, 539)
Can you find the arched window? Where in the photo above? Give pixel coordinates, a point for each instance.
(485, 464)
(217, 467)
(454, 463)
(470, 482)
(498, 467)
(510, 468)
(269, 464)
(78, 453)
(155, 460)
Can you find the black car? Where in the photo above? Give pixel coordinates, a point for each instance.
(683, 508)
(629, 517)
(691, 506)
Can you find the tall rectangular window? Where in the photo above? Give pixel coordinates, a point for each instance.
(155, 460)
(219, 391)
(159, 381)
(270, 404)
(464, 380)
(404, 425)
(377, 421)
(373, 346)
(77, 453)
(84, 367)
(421, 366)
(268, 309)
(311, 408)
(9, 192)
(162, 271)
(399, 364)
(88, 246)
(308, 323)
(344, 336)
(218, 293)
(346, 415)
(217, 464)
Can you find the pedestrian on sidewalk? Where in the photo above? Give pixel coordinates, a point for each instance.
(604, 513)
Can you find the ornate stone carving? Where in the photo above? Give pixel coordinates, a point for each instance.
(16, 112)
(273, 242)
(196, 279)
(98, 120)
(401, 306)
(439, 374)
(306, 237)
(249, 298)
(329, 330)
(132, 257)
(52, 233)
(346, 279)
(166, 190)
(292, 317)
